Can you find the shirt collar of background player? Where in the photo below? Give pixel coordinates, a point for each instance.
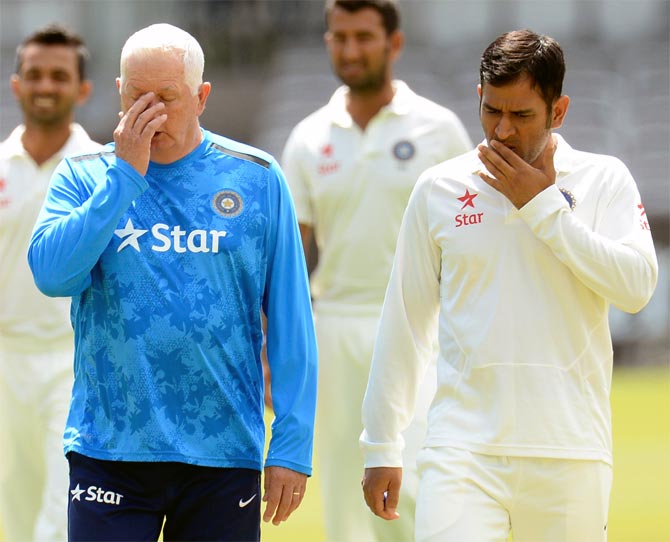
(400, 105)
(13, 147)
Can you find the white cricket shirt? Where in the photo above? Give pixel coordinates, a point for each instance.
(522, 299)
(352, 187)
(28, 319)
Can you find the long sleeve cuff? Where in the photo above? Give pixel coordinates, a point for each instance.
(381, 454)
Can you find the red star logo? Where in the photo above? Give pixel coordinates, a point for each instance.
(3, 185)
(642, 211)
(467, 199)
(327, 150)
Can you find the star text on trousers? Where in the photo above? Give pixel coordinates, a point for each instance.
(76, 493)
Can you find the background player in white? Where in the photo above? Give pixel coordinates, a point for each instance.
(172, 241)
(518, 249)
(351, 166)
(35, 331)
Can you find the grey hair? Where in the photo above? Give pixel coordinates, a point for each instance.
(165, 37)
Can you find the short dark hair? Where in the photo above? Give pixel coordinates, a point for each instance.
(523, 52)
(388, 9)
(56, 34)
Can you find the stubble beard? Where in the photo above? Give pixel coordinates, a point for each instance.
(369, 82)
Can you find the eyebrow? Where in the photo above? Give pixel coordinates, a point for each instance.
(515, 111)
(40, 69)
(171, 88)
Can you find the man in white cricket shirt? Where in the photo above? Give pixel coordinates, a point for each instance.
(517, 249)
(351, 166)
(36, 344)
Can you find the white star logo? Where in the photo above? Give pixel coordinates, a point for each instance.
(130, 235)
(76, 493)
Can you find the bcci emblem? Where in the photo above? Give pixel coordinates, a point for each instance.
(227, 203)
(403, 150)
(569, 197)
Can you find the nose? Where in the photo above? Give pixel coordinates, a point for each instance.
(505, 128)
(350, 49)
(45, 84)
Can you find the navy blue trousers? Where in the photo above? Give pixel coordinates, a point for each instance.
(118, 501)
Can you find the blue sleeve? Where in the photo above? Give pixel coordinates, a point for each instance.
(82, 208)
(291, 340)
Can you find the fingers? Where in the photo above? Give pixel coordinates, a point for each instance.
(392, 498)
(548, 154)
(381, 489)
(136, 128)
(492, 160)
(498, 159)
(510, 175)
(144, 116)
(280, 504)
(376, 499)
(284, 490)
(508, 155)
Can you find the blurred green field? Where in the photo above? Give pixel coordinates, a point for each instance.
(640, 502)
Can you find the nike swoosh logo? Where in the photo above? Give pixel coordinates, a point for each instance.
(243, 503)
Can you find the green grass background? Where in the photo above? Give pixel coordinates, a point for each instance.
(640, 502)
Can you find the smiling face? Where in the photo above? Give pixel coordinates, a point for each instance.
(163, 74)
(361, 52)
(516, 115)
(48, 86)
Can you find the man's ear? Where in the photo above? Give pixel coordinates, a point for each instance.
(85, 90)
(397, 40)
(14, 83)
(558, 111)
(203, 93)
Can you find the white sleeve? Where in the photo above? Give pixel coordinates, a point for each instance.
(616, 258)
(293, 165)
(406, 335)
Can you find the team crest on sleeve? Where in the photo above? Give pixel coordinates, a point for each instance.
(404, 150)
(569, 197)
(228, 203)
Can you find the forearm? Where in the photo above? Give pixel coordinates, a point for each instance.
(293, 369)
(75, 226)
(291, 341)
(404, 344)
(402, 354)
(623, 270)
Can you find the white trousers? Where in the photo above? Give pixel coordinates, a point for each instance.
(345, 352)
(479, 498)
(35, 395)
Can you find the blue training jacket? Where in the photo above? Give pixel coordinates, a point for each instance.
(168, 274)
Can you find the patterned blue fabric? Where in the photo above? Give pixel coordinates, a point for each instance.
(168, 275)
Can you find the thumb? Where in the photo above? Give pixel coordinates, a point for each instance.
(391, 499)
(548, 158)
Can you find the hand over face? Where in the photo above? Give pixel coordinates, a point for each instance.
(136, 128)
(512, 176)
